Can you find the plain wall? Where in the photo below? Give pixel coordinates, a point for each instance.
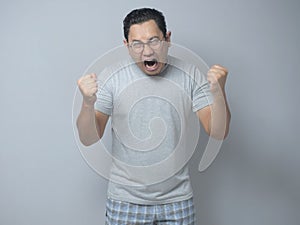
(46, 45)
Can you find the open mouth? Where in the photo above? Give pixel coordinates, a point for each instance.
(151, 64)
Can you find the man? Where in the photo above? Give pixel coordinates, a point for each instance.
(167, 201)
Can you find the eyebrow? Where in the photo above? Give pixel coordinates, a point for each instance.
(135, 40)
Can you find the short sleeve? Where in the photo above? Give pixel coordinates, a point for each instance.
(201, 94)
(104, 102)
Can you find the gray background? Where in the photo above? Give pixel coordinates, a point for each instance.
(46, 45)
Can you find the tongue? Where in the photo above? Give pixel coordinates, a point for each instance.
(150, 64)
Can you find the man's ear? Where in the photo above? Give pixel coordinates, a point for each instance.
(125, 42)
(168, 36)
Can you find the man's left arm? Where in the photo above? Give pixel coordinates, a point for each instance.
(215, 118)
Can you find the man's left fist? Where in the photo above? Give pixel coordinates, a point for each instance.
(216, 76)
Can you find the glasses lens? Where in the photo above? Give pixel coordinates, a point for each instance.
(137, 46)
(155, 43)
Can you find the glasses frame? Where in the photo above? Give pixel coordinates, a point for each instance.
(154, 42)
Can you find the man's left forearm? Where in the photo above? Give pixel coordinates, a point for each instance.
(220, 117)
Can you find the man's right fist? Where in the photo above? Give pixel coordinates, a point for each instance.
(88, 87)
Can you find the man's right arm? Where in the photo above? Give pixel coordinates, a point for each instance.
(90, 123)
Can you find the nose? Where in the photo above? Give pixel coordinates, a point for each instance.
(147, 51)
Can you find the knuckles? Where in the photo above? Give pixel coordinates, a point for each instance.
(88, 85)
(216, 76)
(217, 72)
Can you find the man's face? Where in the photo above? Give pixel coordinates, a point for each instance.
(148, 47)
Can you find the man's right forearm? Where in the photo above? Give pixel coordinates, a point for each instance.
(87, 126)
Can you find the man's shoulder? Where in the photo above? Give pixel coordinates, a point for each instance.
(181, 65)
(116, 70)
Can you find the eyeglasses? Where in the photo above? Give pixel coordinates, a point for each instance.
(138, 46)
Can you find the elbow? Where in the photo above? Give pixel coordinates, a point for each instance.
(218, 136)
(221, 131)
(88, 138)
(88, 141)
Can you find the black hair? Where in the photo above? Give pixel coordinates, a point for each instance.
(142, 15)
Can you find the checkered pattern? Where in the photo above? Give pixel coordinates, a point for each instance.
(124, 213)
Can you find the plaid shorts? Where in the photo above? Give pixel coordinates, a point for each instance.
(125, 213)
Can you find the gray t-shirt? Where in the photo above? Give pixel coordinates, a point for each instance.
(148, 115)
